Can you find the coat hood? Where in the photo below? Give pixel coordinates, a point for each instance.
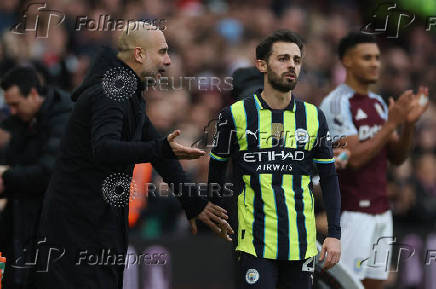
(105, 60)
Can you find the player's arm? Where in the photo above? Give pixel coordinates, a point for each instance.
(195, 206)
(363, 152)
(106, 130)
(219, 157)
(399, 146)
(172, 172)
(323, 158)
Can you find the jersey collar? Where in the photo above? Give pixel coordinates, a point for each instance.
(261, 104)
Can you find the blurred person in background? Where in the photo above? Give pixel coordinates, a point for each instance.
(229, 24)
(424, 209)
(38, 117)
(370, 130)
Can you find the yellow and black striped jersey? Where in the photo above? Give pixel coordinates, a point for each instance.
(273, 153)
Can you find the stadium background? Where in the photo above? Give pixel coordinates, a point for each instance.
(211, 39)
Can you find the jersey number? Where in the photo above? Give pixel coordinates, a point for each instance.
(309, 265)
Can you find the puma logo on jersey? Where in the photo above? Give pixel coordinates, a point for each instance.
(249, 132)
(220, 120)
(360, 115)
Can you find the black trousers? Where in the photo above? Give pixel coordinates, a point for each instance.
(260, 273)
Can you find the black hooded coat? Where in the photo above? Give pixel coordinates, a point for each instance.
(84, 221)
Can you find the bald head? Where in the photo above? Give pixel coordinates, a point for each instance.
(139, 34)
(143, 47)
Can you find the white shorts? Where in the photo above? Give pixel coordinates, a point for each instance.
(367, 242)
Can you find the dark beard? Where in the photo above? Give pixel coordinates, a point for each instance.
(368, 81)
(278, 83)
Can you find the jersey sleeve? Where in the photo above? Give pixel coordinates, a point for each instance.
(224, 136)
(338, 116)
(381, 107)
(323, 152)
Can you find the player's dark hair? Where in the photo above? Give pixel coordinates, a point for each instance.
(352, 39)
(264, 49)
(25, 77)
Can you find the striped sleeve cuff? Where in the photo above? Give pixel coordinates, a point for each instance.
(218, 158)
(324, 161)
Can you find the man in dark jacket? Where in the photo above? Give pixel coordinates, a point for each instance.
(37, 122)
(85, 210)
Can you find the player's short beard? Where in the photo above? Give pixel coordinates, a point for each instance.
(365, 80)
(368, 81)
(279, 83)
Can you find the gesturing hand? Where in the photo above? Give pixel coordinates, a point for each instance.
(215, 217)
(398, 109)
(418, 105)
(332, 248)
(182, 152)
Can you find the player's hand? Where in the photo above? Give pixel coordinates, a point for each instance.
(215, 217)
(182, 152)
(418, 105)
(399, 109)
(332, 248)
(341, 157)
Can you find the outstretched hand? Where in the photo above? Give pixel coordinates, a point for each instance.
(182, 152)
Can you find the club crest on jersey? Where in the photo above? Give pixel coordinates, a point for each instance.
(379, 109)
(301, 136)
(360, 114)
(252, 276)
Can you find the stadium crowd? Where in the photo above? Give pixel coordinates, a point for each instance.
(208, 40)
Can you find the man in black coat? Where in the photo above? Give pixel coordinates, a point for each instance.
(84, 217)
(37, 122)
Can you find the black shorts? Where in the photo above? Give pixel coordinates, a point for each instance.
(260, 273)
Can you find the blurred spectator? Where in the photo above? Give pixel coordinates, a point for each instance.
(216, 37)
(38, 118)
